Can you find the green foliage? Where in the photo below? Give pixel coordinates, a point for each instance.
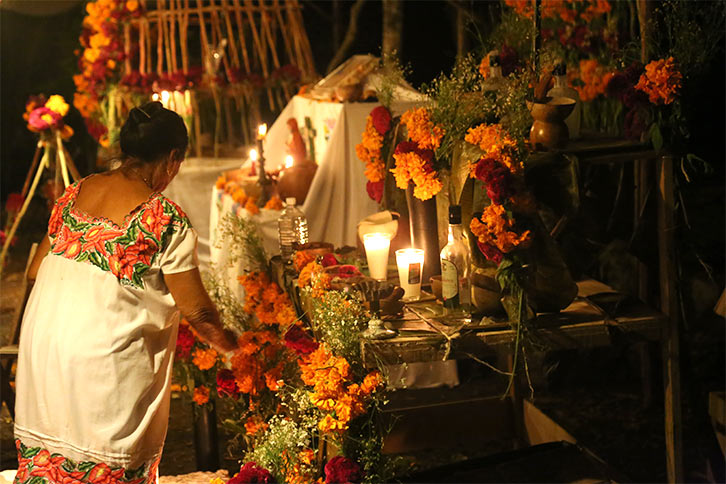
(230, 308)
(337, 319)
(243, 240)
(284, 437)
(393, 74)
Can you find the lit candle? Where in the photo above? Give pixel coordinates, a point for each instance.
(253, 154)
(288, 161)
(165, 98)
(410, 266)
(155, 96)
(377, 246)
(261, 131)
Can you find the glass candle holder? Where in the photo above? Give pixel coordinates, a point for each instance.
(377, 246)
(410, 267)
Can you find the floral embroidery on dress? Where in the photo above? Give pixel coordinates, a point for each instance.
(37, 465)
(127, 251)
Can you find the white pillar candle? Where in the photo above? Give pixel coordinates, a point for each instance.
(410, 267)
(377, 246)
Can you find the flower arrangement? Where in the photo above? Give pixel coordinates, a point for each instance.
(196, 365)
(46, 116)
(245, 202)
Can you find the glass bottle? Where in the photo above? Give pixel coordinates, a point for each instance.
(292, 230)
(562, 89)
(456, 268)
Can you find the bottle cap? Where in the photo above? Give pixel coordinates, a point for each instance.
(455, 214)
(290, 201)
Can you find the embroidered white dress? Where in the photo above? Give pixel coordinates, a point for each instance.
(97, 344)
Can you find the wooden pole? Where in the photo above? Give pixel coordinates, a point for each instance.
(33, 166)
(669, 306)
(43, 165)
(537, 36)
(241, 32)
(60, 153)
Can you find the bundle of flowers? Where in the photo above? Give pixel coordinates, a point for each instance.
(661, 81)
(100, 58)
(369, 150)
(197, 365)
(565, 10)
(44, 116)
(501, 171)
(590, 79)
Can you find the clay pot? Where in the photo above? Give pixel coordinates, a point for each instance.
(295, 181)
(549, 131)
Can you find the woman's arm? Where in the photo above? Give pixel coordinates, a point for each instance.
(40, 254)
(195, 305)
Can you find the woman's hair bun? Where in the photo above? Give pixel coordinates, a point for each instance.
(152, 131)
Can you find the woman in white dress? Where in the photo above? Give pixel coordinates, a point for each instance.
(97, 340)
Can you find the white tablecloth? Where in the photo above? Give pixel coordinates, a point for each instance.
(191, 189)
(337, 199)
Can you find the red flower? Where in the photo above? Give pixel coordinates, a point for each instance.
(344, 271)
(298, 340)
(43, 118)
(342, 470)
(381, 118)
(97, 236)
(184, 342)
(329, 260)
(491, 252)
(497, 178)
(375, 190)
(119, 265)
(252, 473)
(154, 219)
(141, 251)
(68, 243)
(14, 202)
(226, 383)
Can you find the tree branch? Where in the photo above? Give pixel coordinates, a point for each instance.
(349, 35)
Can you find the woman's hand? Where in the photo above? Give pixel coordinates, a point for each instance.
(195, 305)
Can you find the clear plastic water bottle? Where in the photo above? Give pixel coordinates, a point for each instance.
(292, 229)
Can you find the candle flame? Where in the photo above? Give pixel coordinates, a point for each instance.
(155, 96)
(288, 161)
(253, 154)
(262, 130)
(165, 95)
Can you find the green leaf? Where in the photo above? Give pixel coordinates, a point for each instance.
(28, 452)
(68, 465)
(86, 466)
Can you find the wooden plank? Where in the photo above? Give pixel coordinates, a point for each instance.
(669, 306)
(541, 429)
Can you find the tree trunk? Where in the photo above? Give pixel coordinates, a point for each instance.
(349, 36)
(461, 41)
(392, 27)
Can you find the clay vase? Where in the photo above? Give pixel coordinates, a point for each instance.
(549, 131)
(295, 181)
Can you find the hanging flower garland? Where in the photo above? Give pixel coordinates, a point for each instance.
(369, 150)
(45, 116)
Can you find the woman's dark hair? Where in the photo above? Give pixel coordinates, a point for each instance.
(152, 131)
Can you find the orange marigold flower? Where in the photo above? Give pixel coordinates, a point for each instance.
(204, 359)
(493, 228)
(239, 196)
(221, 182)
(369, 152)
(201, 395)
(484, 67)
(594, 77)
(301, 259)
(251, 206)
(255, 424)
(661, 81)
(421, 129)
(371, 382)
(412, 167)
(306, 456)
(329, 424)
(306, 275)
(497, 143)
(274, 203)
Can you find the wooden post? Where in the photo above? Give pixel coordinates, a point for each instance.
(461, 40)
(669, 306)
(645, 8)
(536, 35)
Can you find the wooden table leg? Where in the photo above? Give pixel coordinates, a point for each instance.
(669, 306)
